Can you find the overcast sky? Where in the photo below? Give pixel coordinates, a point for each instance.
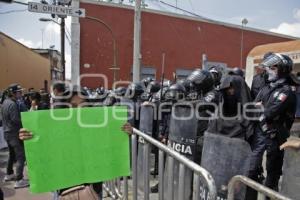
(281, 16)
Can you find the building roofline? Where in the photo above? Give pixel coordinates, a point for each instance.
(46, 50)
(19, 43)
(280, 47)
(201, 19)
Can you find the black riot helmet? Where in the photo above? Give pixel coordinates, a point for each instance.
(153, 87)
(146, 81)
(202, 80)
(101, 91)
(134, 90)
(157, 96)
(186, 84)
(175, 92)
(77, 90)
(217, 75)
(120, 91)
(283, 63)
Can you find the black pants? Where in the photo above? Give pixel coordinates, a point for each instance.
(274, 163)
(259, 144)
(16, 154)
(1, 194)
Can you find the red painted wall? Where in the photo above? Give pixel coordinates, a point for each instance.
(184, 41)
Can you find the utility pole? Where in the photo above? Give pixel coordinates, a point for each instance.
(42, 30)
(204, 61)
(244, 23)
(137, 42)
(62, 45)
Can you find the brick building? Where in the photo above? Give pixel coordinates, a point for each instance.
(183, 39)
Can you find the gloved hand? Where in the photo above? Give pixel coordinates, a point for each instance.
(268, 130)
(271, 132)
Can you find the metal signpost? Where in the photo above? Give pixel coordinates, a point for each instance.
(54, 9)
(62, 12)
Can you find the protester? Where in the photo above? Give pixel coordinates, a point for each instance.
(78, 98)
(11, 126)
(35, 101)
(234, 94)
(57, 95)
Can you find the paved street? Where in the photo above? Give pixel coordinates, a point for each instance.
(23, 194)
(8, 188)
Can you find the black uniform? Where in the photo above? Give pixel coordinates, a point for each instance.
(203, 83)
(133, 98)
(164, 122)
(205, 111)
(278, 99)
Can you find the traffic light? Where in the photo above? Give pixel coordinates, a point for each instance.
(6, 1)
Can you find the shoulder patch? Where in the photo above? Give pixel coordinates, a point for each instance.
(275, 95)
(282, 97)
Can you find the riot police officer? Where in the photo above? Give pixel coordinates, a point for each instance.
(203, 84)
(152, 88)
(114, 96)
(101, 94)
(217, 75)
(279, 101)
(164, 100)
(173, 94)
(132, 99)
(146, 81)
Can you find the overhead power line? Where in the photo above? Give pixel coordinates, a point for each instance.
(12, 11)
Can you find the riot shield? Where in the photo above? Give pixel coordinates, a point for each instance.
(224, 158)
(130, 109)
(182, 138)
(146, 126)
(290, 185)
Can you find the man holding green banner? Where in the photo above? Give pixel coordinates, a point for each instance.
(75, 148)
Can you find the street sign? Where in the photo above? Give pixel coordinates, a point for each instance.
(57, 10)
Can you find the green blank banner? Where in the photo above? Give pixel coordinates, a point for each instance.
(75, 146)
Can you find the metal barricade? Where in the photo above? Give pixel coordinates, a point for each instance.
(185, 164)
(114, 188)
(256, 186)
